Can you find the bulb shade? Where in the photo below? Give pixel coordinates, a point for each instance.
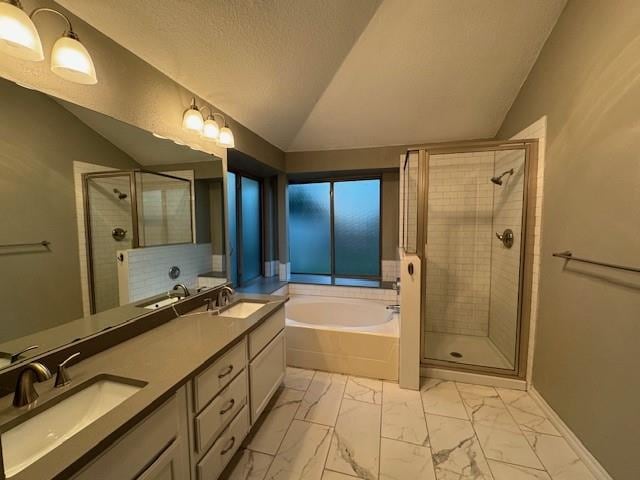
(211, 129)
(192, 120)
(71, 61)
(226, 138)
(18, 35)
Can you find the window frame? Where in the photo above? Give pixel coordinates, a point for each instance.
(332, 180)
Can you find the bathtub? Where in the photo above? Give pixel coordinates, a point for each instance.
(345, 335)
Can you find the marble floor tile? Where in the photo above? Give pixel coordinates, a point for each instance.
(329, 475)
(405, 461)
(506, 446)
(505, 471)
(526, 412)
(456, 452)
(298, 378)
(322, 399)
(250, 466)
(276, 421)
(402, 415)
(558, 457)
(302, 454)
(440, 397)
(355, 447)
(364, 389)
(485, 407)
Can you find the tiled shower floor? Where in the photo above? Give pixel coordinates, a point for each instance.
(326, 426)
(475, 350)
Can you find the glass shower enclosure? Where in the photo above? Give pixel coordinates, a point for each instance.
(130, 209)
(472, 214)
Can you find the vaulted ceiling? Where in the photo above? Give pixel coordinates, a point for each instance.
(311, 74)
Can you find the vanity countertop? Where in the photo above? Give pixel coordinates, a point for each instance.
(165, 357)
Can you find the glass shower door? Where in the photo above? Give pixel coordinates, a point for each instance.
(474, 212)
(110, 228)
(251, 229)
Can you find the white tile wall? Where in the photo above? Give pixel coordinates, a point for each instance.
(271, 268)
(284, 271)
(147, 269)
(390, 270)
(345, 292)
(505, 263)
(218, 263)
(458, 255)
(80, 168)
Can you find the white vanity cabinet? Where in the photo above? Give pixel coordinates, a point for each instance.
(154, 449)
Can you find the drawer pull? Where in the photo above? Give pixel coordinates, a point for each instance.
(232, 442)
(229, 406)
(228, 370)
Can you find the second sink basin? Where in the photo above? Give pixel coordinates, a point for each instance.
(242, 309)
(45, 430)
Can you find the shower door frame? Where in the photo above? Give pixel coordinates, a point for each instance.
(135, 241)
(530, 148)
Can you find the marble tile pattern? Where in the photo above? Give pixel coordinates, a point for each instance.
(324, 426)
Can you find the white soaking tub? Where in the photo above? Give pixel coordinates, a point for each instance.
(346, 335)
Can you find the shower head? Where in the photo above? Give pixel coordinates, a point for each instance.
(498, 180)
(120, 195)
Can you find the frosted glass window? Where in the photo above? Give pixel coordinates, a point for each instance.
(356, 206)
(310, 228)
(232, 212)
(251, 232)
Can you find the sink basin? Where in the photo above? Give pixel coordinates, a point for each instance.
(161, 303)
(45, 430)
(241, 309)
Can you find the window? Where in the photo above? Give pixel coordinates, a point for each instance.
(334, 228)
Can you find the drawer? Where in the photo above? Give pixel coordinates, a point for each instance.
(266, 373)
(220, 411)
(223, 450)
(207, 384)
(261, 336)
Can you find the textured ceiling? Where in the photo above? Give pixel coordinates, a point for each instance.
(308, 75)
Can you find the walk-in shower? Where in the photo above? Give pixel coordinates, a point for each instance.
(130, 209)
(471, 211)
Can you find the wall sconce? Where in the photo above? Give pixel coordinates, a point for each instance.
(209, 129)
(19, 38)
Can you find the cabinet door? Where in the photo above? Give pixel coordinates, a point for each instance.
(168, 466)
(266, 373)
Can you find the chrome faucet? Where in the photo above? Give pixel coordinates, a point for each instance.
(394, 308)
(224, 295)
(62, 376)
(183, 287)
(25, 393)
(16, 356)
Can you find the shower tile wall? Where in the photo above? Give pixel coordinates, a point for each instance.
(460, 203)
(409, 225)
(505, 263)
(108, 212)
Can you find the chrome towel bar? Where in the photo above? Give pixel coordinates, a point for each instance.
(568, 255)
(43, 243)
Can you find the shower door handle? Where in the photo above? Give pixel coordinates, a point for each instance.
(506, 237)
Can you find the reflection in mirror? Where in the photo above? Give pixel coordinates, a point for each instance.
(95, 214)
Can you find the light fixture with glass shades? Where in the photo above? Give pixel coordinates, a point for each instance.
(209, 129)
(19, 38)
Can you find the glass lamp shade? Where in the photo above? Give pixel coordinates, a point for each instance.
(211, 129)
(192, 120)
(226, 138)
(71, 61)
(18, 35)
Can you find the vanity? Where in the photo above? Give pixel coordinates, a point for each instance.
(175, 402)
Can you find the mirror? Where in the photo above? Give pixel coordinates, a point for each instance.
(100, 220)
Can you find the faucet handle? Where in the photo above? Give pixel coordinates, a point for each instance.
(16, 356)
(62, 377)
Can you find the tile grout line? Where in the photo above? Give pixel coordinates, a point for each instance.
(324, 465)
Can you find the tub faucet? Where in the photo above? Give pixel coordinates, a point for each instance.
(183, 287)
(394, 308)
(25, 393)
